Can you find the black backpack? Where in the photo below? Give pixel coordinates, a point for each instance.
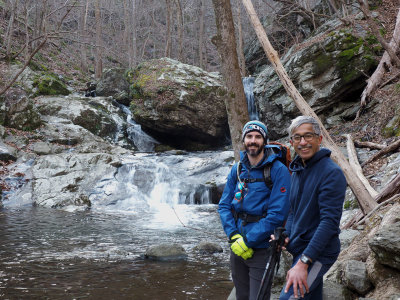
(284, 158)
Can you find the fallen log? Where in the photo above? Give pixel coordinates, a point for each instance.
(391, 189)
(353, 160)
(392, 147)
(369, 145)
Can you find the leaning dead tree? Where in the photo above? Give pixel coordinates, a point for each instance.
(385, 63)
(364, 198)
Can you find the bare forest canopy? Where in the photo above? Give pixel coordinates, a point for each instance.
(106, 33)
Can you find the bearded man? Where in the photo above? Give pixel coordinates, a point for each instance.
(250, 210)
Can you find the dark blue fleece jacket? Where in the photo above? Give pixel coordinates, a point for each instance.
(316, 201)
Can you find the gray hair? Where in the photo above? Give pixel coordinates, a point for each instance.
(300, 120)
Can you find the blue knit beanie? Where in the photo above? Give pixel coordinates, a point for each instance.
(255, 126)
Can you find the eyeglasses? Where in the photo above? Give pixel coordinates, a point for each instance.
(307, 137)
(242, 189)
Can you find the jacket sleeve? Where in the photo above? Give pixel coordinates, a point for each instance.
(225, 204)
(278, 206)
(330, 200)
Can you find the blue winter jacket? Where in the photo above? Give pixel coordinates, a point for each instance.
(258, 200)
(316, 201)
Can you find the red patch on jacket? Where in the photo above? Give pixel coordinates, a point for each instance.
(283, 189)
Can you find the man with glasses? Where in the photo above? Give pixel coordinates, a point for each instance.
(250, 209)
(317, 193)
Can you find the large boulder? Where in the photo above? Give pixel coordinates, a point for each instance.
(98, 115)
(18, 111)
(113, 82)
(180, 105)
(329, 70)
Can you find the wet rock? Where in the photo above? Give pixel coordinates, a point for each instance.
(67, 179)
(166, 252)
(7, 153)
(207, 247)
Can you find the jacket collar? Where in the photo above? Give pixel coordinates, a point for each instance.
(297, 163)
(267, 158)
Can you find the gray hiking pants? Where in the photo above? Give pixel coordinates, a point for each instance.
(247, 274)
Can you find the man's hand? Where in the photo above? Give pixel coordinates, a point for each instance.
(240, 248)
(284, 245)
(297, 276)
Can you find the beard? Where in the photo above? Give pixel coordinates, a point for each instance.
(254, 152)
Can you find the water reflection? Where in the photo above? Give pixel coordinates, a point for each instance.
(51, 254)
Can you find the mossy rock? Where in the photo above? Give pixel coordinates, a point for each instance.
(49, 84)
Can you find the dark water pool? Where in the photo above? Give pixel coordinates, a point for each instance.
(52, 254)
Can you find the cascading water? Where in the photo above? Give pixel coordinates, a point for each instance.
(142, 141)
(248, 83)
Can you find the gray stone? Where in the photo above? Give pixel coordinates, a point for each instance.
(114, 83)
(207, 247)
(386, 245)
(355, 277)
(347, 236)
(166, 252)
(335, 291)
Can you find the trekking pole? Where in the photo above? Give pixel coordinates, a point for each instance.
(264, 293)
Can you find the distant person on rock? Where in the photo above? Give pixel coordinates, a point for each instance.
(317, 193)
(250, 209)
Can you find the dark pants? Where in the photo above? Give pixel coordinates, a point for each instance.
(314, 280)
(247, 274)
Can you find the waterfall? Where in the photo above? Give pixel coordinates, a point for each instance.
(248, 83)
(140, 139)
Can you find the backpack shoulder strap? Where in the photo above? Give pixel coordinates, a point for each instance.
(238, 170)
(267, 176)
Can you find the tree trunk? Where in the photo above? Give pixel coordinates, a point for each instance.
(180, 30)
(99, 58)
(83, 24)
(201, 34)
(126, 33)
(168, 39)
(133, 47)
(236, 105)
(10, 29)
(365, 200)
(242, 61)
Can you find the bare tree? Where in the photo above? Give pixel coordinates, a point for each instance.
(179, 14)
(225, 42)
(242, 61)
(99, 56)
(82, 35)
(168, 38)
(10, 28)
(364, 198)
(201, 34)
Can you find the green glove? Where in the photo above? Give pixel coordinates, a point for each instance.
(239, 247)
